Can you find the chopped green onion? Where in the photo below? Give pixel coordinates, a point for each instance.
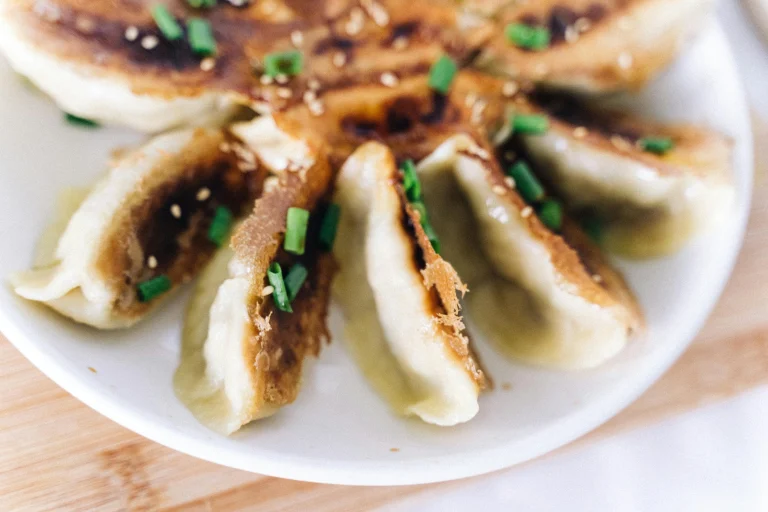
(656, 145)
(167, 23)
(280, 294)
(201, 37)
(526, 183)
(551, 214)
(201, 4)
(80, 121)
(431, 235)
(528, 37)
(533, 124)
(594, 228)
(411, 182)
(296, 230)
(295, 280)
(220, 225)
(287, 63)
(442, 73)
(153, 288)
(329, 227)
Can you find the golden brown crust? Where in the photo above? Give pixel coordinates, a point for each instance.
(444, 283)
(77, 30)
(281, 341)
(180, 247)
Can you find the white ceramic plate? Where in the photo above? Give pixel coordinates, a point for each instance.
(339, 431)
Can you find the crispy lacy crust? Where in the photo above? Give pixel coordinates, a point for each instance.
(123, 261)
(281, 341)
(442, 278)
(619, 44)
(76, 30)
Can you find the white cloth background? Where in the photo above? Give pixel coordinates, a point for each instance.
(712, 459)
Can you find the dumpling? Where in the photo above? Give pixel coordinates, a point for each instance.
(109, 61)
(649, 187)
(151, 224)
(399, 297)
(243, 353)
(590, 45)
(532, 295)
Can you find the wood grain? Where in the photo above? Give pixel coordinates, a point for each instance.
(57, 454)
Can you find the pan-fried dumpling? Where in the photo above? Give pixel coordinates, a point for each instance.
(143, 229)
(243, 355)
(590, 45)
(535, 297)
(651, 186)
(108, 60)
(399, 297)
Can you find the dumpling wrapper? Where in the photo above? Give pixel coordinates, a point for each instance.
(126, 231)
(242, 359)
(618, 45)
(532, 295)
(652, 204)
(399, 298)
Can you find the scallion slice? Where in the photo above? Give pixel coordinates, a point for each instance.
(526, 183)
(551, 214)
(287, 63)
(200, 36)
(167, 24)
(294, 280)
(152, 288)
(442, 73)
(80, 121)
(656, 145)
(411, 182)
(594, 228)
(296, 225)
(420, 207)
(533, 124)
(527, 36)
(221, 225)
(328, 227)
(280, 294)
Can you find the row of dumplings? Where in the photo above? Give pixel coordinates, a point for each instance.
(398, 245)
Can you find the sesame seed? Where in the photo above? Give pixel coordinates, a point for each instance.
(582, 25)
(267, 291)
(580, 132)
(400, 44)
(626, 60)
(499, 190)
(309, 96)
(297, 38)
(152, 262)
(238, 3)
(620, 143)
(85, 25)
(316, 108)
(339, 59)
(149, 42)
(266, 80)
(281, 78)
(284, 93)
(470, 100)
(510, 181)
(526, 212)
(313, 84)
(208, 64)
(571, 34)
(131, 33)
(389, 79)
(510, 89)
(271, 184)
(597, 278)
(224, 147)
(176, 211)
(203, 194)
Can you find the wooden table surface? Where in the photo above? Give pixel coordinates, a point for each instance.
(57, 454)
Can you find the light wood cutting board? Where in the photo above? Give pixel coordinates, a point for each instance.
(57, 454)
